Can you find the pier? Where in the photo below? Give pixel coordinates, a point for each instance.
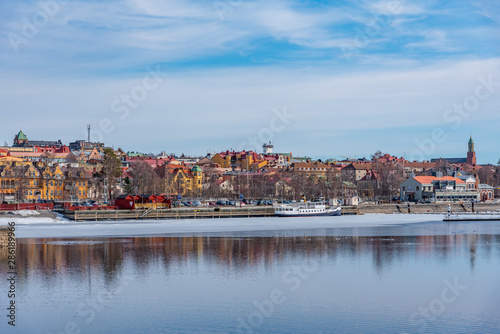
(472, 217)
(182, 213)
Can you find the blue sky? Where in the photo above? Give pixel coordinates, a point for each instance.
(353, 76)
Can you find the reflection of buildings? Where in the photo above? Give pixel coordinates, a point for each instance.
(107, 257)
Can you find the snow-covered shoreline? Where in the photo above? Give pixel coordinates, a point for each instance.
(46, 227)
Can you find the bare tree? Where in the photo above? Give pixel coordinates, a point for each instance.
(486, 174)
(111, 169)
(143, 178)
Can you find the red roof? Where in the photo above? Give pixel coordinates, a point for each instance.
(430, 179)
(371, 175)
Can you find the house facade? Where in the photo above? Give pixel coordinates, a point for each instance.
(355, 171)
(436, 189)
(182, 180)
(486, 192)
(33, 182)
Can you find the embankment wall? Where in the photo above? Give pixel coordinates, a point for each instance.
(427, 208)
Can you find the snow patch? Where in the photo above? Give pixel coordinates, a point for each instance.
(25, 213)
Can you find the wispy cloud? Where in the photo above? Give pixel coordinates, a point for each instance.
(230, 73)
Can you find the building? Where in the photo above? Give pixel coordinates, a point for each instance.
(33, 182)
(46, 157)
(436, 189)
(471, 153)
(356, 171)
(469, 179)
(268, 149)
(21, 140)
(486, 192)
(232, 159)
(314, 169)
(368, 185)
(82, 145)
(182, 180)
(417, 168)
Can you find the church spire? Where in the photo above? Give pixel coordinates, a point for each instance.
(471, 145)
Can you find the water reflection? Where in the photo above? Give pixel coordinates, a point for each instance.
(75, 257)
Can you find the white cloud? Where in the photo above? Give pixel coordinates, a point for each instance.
(202, 106)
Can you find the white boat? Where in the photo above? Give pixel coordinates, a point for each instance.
(305, 209)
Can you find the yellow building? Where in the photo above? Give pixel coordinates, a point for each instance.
(32, 182)
(242, 160)
(8, 160)
(182, 180)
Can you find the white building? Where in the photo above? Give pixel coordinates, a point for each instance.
(437, 189)
(268, 148)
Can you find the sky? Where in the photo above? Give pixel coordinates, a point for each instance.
(327, 79)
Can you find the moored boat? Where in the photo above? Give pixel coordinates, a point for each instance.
(305, 209)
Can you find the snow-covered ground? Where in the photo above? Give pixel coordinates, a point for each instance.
(25, 213)
(29, 227)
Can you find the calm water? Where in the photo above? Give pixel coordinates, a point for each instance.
(423, 278)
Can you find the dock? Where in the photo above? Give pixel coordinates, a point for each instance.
(180, 213)
(472, 217)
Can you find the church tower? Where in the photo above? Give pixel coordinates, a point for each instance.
(471, 153)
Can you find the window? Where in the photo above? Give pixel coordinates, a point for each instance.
(418, 188)
(51, 193)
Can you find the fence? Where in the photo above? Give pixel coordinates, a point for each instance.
(26, 206)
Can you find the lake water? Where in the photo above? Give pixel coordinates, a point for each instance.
(430, 277)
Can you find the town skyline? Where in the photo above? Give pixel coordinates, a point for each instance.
(255, 147)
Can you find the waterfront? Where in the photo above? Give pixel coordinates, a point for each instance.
(399, 278)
